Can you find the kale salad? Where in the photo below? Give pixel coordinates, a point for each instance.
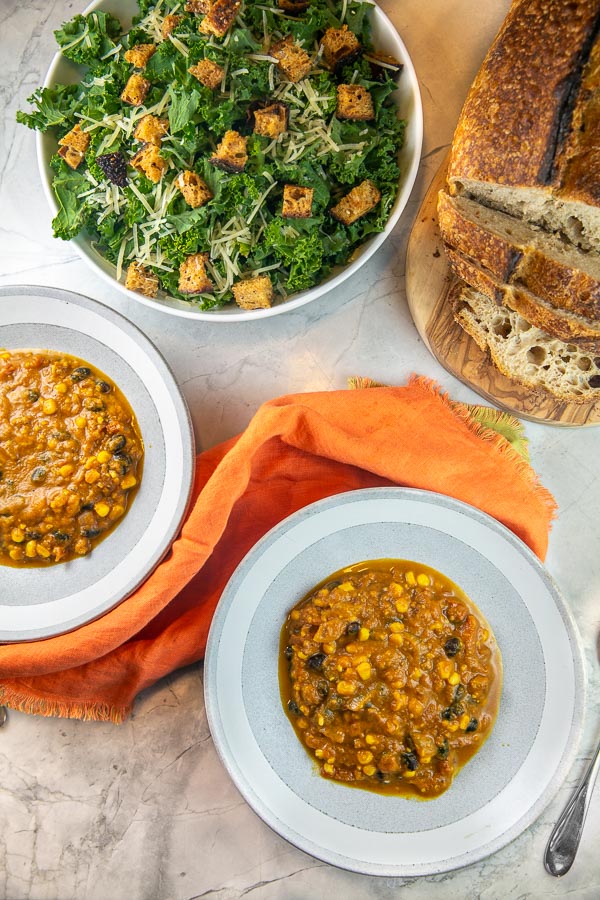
(224, 151)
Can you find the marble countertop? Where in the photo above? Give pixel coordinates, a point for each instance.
(145, 809)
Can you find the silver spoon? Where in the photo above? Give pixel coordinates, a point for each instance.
(565, 837)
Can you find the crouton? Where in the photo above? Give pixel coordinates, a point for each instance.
(169, 24)
(192, 275)
(253, 293)
(340, 46)
(231, 155)
(149, 161)
(271, 121)
(354, 102)
(140, 54)
(361, 200)
(73, 146)
(208, 73)
(219, 17)
(141, 279)
(297, 202)
(151, 130)
(195, 190)
(292, 60)
(198, 6)
(135, 90)
(293, 6)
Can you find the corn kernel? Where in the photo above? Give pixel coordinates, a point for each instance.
(346, 688)
(347, 586)
(66, 470)
(128, 482)
(370, 739)
(364, 757)
(363, 634)
(425, 760)
(454, 678)
(30, 549)
(464, 720)
(302, 655)
(16, 553)
(80, 421)
(416, 674)
(91, 476)
(302, 723)
(445, 668)
(415, 706)
(423, 580)
(320, 721)
(391, 726)
(103, 456)
(369, 770)
(402, 605)
(396, 588)
(410, 578)
(61, 387)
(295, 615)
(90, 462)
(399, 701)
(329, 647)
(17, 535)
(42, 551)
(396, 627)
(396, 639)
(409, 774)
(352, 648)
(102, 508)
(117, 511)
(49, 406)
(319, 754)
(364, 670)
(328, 768)
(331, 760)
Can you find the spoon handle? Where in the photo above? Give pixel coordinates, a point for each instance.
(565, 837)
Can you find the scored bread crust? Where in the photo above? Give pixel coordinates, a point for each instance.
(524, 353)
(518, 254)
(514, 116)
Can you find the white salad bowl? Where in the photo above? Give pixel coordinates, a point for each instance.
(408, 100)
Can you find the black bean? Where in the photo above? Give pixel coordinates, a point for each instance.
(316, 661)
(60, 536)
(94, 404)
(353, 628)
(332, 584)
(33, 396)
(39, 474)
(444, 750)
(80, 373)
(452, 712)
(104, 387)
(116, 442)
(410, 761)
(323, 690)
(459, 692)
(293, 707)
(472, 726)
(452, 646)
(90, 532)
(288, 652)
(32, 535)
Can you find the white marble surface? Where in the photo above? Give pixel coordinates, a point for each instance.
(145, 809)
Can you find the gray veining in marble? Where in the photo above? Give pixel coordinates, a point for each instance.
(92, 811)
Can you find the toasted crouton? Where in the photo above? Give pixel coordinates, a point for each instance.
(293, 6)
(219, 18)
(135, 90)
(271, 121)
(231, 155)
(354, 102)
(208, 73)
(140, 54)
(169, 24)
(73, 146)
(195, 190)
(192, 275)
(151, 130)
(292, 60)
(361, 200)
(297, 202)
(253, 293)
(149, 161)
(340, 46)
(141, 279)
(198, 6)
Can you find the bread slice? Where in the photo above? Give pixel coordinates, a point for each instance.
(519, 144)
(525, 353)
(515, 253)
(555, 322)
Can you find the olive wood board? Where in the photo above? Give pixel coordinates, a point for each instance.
(429, 281)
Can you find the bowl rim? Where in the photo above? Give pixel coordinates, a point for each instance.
(410, 152)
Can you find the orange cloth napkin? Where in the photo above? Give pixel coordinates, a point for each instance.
(297, 449)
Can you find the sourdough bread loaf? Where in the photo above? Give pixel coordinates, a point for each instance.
(525, 353)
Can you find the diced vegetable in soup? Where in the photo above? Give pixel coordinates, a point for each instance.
(390, 676)
(70, 457)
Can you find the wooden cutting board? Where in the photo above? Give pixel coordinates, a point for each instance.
(428, 283)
